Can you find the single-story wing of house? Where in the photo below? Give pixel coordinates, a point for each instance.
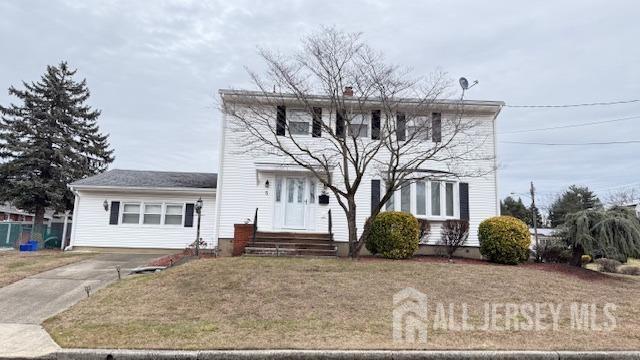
(143, 209)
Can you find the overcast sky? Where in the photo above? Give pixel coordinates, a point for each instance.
(154, 68)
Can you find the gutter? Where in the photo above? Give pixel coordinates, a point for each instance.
(140, 189)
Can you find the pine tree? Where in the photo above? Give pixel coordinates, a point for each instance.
(536, 211)
(576, 198)
(47, 140)
(516, 208)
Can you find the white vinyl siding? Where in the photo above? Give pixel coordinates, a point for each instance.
(91, 224)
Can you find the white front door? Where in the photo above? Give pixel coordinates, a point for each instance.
(295, 203)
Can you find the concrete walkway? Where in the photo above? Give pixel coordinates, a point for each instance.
(25, 304)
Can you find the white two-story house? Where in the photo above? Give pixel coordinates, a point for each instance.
(287, 200)
(291, 209)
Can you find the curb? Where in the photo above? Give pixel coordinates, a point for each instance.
(102, 354)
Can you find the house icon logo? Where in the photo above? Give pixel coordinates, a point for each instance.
(409, 316)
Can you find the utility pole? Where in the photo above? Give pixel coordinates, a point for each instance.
(535, 220)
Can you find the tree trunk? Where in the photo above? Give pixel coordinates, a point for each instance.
(353, 230)
(38, 224)
(576, 256)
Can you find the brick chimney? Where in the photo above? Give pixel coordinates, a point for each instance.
(348, 91)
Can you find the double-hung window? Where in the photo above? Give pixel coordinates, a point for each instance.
(152, 214)
(299, 122)
(359, 126)
(418, 128)
(131, 213)
(173, 214)
(442, 190)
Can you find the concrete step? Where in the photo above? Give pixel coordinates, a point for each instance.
(266, 251)
(293, 245)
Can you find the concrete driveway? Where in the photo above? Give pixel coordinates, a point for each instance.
(25, 304)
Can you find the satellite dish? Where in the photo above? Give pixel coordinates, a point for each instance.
(464, 83)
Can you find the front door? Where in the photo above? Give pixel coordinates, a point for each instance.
(295, 203)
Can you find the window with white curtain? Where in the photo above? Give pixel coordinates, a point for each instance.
(299, 122)
(173, 214)
(359, 126)
(435, 198)
(131, 213)
(152, 214)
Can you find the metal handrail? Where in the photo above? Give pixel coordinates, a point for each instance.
(330, 225)
(255, 225)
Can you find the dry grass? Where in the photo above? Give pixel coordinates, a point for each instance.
(245, 303)
(16, 265)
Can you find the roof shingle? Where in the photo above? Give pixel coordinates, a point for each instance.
(143, 178)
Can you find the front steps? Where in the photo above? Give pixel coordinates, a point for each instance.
(291, 244)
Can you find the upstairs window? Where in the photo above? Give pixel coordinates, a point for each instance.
(340, 114)
(299, 122)
(418, 128)
(359, 126)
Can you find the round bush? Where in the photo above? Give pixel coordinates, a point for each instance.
(504, 240)
(394, 235)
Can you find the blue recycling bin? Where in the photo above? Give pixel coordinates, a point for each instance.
(25, 247)
(33, 244)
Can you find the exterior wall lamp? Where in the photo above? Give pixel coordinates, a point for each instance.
(266, 184)
(105, 205)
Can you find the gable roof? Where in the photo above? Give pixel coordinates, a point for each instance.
(150, 179)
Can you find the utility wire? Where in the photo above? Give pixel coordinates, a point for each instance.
(575, 105)
(571, 125)
(573, 144)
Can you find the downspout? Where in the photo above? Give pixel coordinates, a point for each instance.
(74, 219)
(495, 159)
(220, 175)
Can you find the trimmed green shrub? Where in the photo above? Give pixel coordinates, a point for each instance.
(553, 251)
(394, 235)
(504, 240)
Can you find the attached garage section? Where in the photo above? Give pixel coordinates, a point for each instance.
(143, 210)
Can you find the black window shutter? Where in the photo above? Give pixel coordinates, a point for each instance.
(317, 122)
(340, 123)
(436, 124)
(375, 125)
(375, 194)
(115, 212)
(464, 201)
(188, 215)
(281, 120)
(401, 125)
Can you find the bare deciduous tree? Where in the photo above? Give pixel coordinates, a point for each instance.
(403, 148)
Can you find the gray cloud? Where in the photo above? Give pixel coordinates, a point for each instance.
(154, 68)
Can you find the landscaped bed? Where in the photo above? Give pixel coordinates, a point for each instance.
(16, 265)
(243, 303)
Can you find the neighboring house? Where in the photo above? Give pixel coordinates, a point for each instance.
(142, 209)
(11, 213)
(286, 196)
(544, 234)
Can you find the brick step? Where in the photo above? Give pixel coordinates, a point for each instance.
(293, 245)
(292, 235)
(261, 251)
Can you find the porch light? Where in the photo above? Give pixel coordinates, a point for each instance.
(266, 184)
(105, 205)
(199, 205)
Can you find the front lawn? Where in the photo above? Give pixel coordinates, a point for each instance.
(15, 265)
(248, 303)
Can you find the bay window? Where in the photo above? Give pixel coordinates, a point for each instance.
(435, 198)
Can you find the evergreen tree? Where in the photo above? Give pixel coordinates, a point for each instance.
(539, 219)
(516, 208)
(47, 140)
(576, 198)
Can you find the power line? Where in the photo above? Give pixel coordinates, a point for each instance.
(572, 125)
(573, 144)
(575, 105)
